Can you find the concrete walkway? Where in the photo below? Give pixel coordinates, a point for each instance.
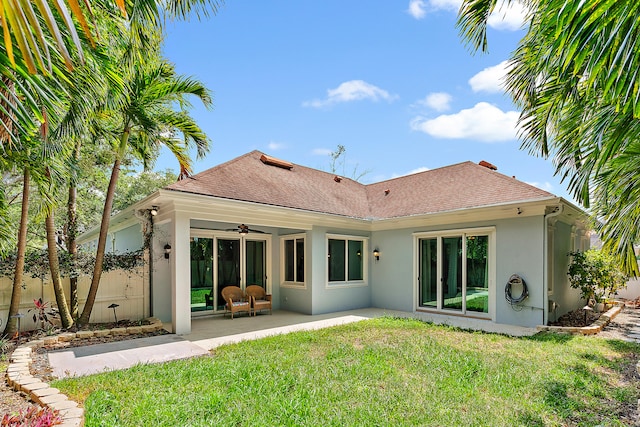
(210, 332)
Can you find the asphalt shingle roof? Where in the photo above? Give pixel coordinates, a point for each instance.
(459, 186)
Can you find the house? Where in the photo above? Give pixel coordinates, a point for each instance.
(461, 240)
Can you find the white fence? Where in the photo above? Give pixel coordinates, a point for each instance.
(127, 289)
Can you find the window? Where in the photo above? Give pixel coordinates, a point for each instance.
(455, 270)
(293, 260)
(345, 259)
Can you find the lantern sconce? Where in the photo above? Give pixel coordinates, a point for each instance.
(167, 250)
(154, 210)
(376, 254)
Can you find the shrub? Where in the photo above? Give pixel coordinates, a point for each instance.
(596, 275)
(34, 417)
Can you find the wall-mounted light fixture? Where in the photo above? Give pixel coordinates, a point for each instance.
(519, 211)
(167, 250)
(154, 210)
(376, 254)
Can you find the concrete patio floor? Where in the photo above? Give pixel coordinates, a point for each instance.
(210, 332)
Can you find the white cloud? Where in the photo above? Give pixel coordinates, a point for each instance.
(276, 146)
(546, 186)
(452, 5)
(353, 90)
(509, 18)
(491, 79)
(417, 9)
(321, 151)
(411, 172)
(506, 16)
(439, 101)
(484, 122)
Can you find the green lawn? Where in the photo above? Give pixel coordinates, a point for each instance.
(376, 372)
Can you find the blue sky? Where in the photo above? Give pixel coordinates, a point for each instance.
(390, 80)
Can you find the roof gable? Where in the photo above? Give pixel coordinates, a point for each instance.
(247, 178)
(459, 186)
(464, 185)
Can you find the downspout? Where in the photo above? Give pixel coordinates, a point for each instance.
(545, 302)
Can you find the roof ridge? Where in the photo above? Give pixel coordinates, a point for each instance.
(502, 176)
(420, 173)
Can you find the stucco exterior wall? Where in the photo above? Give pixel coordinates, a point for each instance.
(392, 281)
(519, 250)
(126, 240)
(161, 274)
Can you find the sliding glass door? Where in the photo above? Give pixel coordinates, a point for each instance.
(201, 274)
(221, 259)
(454, 271)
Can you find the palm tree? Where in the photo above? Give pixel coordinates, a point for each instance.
(574, 76)
(143, 116)
(36, 35)
(63, 309)
(16, 295)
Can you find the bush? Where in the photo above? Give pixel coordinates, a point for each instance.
(596, 275)
(40, 417)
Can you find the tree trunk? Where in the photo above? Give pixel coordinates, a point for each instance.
(71, 231)
(12, 323)
(54, 267)
(102, 241)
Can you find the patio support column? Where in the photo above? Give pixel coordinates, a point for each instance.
(180, 275)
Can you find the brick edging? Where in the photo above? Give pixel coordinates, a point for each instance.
(592, 329)
(20, 379)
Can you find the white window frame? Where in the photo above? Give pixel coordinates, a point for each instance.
(492, 266)
(295, 284)
(365, 262)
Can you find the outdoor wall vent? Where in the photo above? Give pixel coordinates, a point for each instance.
(337, 178)
(488, 165)
(272, 161)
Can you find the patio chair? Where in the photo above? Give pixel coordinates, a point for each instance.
(236, 301)
(260, 300)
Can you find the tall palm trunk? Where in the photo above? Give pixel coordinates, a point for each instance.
(54, 267)
(71, 231)
(12, 322)
(102, 241)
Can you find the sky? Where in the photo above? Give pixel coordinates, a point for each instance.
(391, 81)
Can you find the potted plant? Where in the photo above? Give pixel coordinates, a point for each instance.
(596, 275)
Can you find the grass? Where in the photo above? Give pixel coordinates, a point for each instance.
(376, 372)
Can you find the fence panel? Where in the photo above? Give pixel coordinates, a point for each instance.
(128, 289)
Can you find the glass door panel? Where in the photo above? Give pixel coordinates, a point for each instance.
(201, 274)
(477, 295)
(228, 273)
(255, 263)
(452, 273)
(428, 275)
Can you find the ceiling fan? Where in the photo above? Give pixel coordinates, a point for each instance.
(244, 230)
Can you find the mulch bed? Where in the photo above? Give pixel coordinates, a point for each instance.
(576, 319)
